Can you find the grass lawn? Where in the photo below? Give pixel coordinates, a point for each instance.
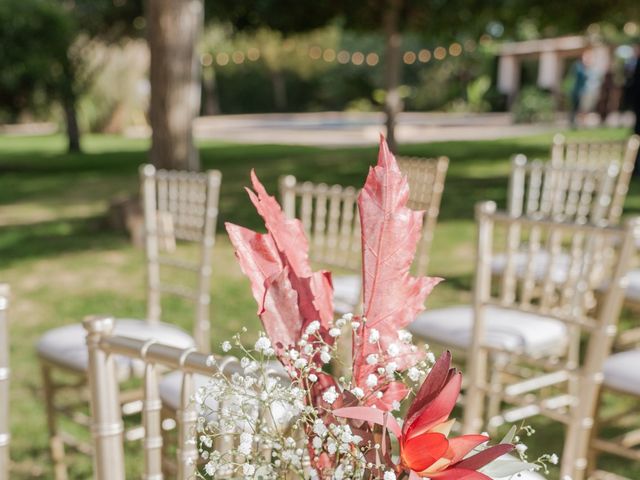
(63, 263)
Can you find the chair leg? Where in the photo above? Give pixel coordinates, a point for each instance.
(592, 455)
(56, 443)
(494, 399)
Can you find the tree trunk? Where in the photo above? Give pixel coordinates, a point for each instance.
(73, 132)
(393, 69)
(210, 90)
(279, 90)
(174, 27)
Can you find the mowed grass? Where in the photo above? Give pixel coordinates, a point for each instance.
(64, 263)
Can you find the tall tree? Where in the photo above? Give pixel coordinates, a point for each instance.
(173, 29)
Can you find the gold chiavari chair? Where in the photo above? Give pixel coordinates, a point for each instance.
(601, 155)
(594, 154)
(5, 434)
(581, 194)
(621, 380)
(555, 369)
(330, 218)
(104, 350)
(180, 213)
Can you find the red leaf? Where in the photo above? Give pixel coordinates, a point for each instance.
(390, 233)
(437, 410)
(479, 460)
(459, 447)
(436, 380)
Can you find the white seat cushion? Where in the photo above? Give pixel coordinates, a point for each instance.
(622, 372)
(66, 346)
(504, 328)
(346, 293)
(171, 386)
(541, 260)
(633, 288)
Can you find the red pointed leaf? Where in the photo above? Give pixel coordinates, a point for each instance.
(432, 385)
(438, 409)
(459, 447)
(479, 460)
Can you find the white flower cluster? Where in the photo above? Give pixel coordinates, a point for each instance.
(254, 423)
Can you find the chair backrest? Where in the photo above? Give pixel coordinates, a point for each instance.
(426, 183)
(329, 214)
(183, 206)
(601, 154)
(563, 192)
(107, 423)
(556, 269)
(565, 284)
(4, 382)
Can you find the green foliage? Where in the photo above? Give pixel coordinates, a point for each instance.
(533, 105)
(34, 66)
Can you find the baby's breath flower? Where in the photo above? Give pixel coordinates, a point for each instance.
(262, 345)
(313, 327)
(334, 332)
(414, 374)
(330, 395)
(374, 336)
(372, 359)
(372, 380)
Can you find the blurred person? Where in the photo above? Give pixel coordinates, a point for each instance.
(608, 98)
(634, 90)
(581, 71)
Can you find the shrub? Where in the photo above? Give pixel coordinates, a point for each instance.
(533, 105)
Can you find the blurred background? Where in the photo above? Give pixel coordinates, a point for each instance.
(91, 89)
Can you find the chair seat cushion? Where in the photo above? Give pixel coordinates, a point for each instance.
(507, 329)
(346, 293)
(633, 288)
(622, 372)
(540, 260)
(66, 346)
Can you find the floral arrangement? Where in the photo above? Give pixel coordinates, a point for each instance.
(296, 419)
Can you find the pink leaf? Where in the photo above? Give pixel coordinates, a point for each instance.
(258, 258)
(390, 233)
(369, 414)
(315, 295)
(280, 314)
